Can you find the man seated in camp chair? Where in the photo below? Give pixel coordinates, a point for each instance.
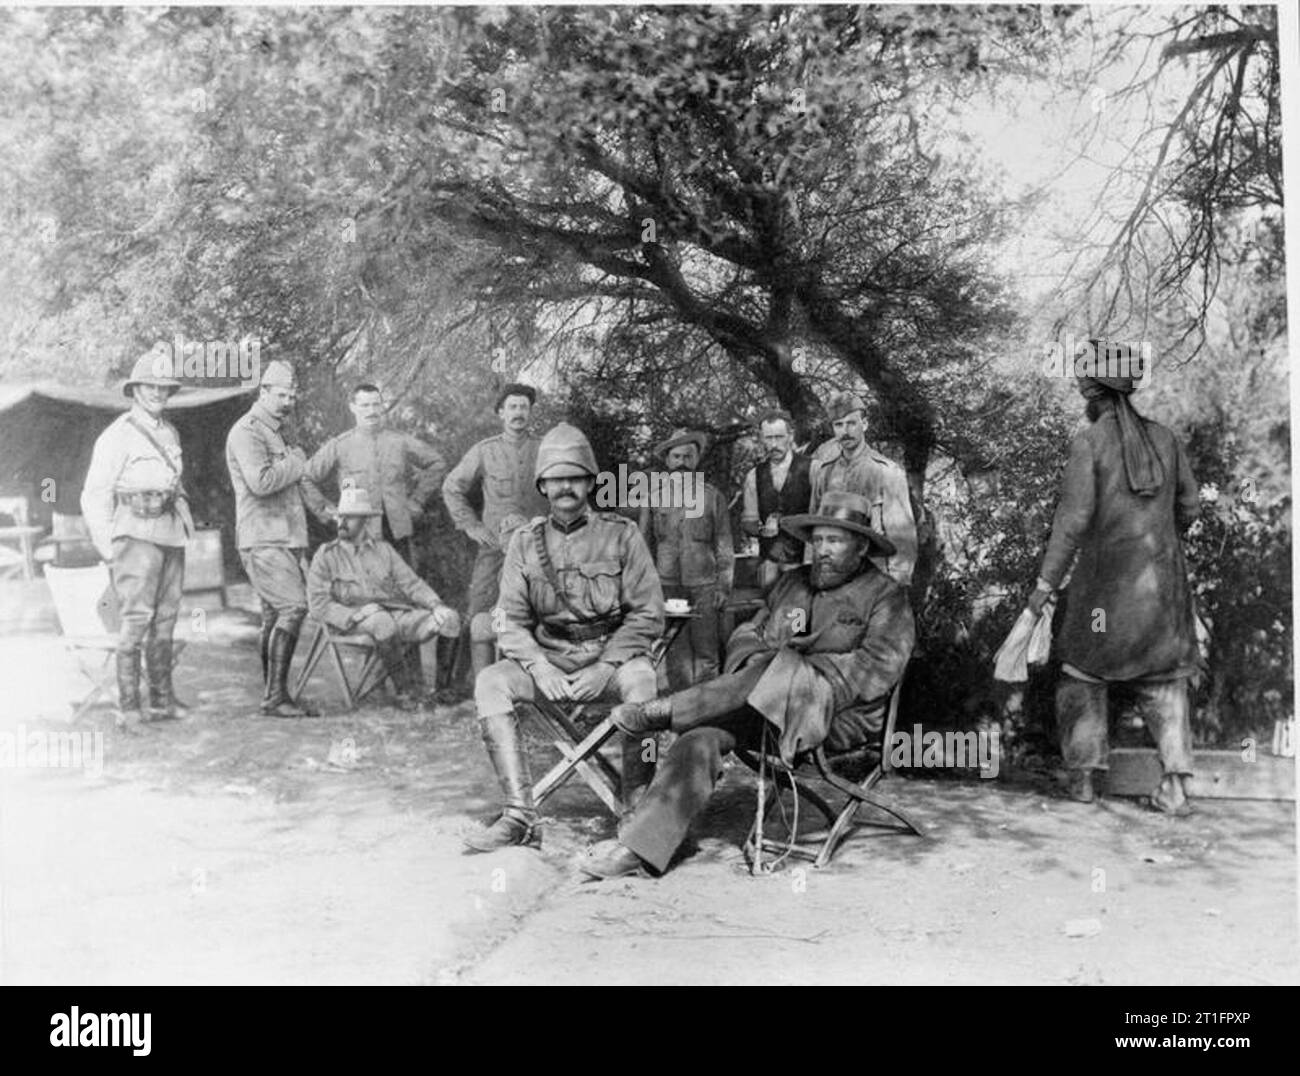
(816, 665)
(579, 608)
(358, 583)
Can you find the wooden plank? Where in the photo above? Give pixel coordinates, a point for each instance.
(574, 758)
(1135, 771)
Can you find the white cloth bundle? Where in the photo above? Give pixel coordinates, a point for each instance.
(1029, 643)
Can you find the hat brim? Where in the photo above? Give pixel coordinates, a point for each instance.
(565, 470)
(700, 442)
(157, 382)
(801, 527)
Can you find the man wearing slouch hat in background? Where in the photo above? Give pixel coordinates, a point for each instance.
(691, 544)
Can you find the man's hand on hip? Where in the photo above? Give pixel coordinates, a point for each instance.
(481, 535)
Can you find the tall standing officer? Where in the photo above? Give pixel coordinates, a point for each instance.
(271, 529)
(139, 518)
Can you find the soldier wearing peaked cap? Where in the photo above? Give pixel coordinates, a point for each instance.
(268, 476)
(851, 464)
(579, 608)
(136, 510)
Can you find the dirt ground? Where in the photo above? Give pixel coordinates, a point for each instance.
(227, 848)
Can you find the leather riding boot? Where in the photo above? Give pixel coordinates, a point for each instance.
(392, 652)
(635, 718)
(128, 717)
(158, 672)
(277, 702)
(482, 653)
(268, 626)
(518, 821)
(415, 672)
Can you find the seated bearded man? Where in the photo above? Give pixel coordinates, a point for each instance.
(817, 665)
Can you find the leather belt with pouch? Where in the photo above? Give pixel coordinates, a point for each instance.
(586, 630)
(148, 503)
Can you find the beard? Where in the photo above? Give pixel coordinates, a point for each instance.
(828, 574)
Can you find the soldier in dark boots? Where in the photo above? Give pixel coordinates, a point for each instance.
(358, 583)
(139, 518)
(271, 529)
(579, 608)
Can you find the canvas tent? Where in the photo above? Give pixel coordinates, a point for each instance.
(47, 433)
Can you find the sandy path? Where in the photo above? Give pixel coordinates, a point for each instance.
(231, 849)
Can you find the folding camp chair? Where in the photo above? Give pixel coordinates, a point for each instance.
(86, 605)
(327, 640)
(581, 754)
(870, 763)
(18, 560)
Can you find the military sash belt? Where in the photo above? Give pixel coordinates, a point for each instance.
(586, 628)
(147, 504)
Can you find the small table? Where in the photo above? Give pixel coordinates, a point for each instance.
(580, 754)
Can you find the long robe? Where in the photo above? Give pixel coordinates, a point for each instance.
(1128, 610)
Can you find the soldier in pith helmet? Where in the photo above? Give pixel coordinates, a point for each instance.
(579, 608)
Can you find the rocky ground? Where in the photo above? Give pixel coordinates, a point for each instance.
(227, 848)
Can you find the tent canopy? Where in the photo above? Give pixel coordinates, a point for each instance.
(48, 431)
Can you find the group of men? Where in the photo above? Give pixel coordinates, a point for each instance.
(581, 604)
(563, 602)
(567, 603)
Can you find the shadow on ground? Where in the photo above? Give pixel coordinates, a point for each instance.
(227, 847)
